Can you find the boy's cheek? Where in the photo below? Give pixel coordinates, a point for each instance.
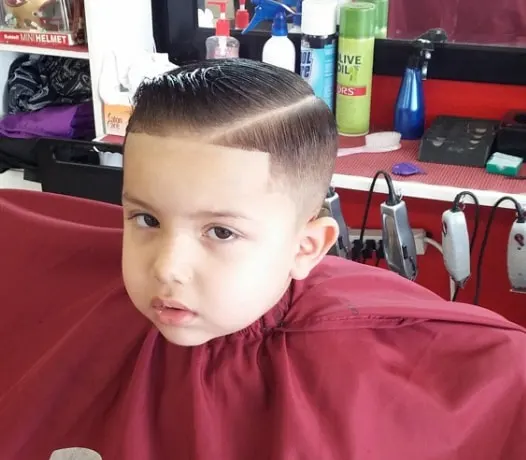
(134, 271)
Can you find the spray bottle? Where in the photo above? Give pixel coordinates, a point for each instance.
(279, 49)
(355, 68)
(266, 10)
(409, 117)
(221, 45)
(318, 47)
(409, 114)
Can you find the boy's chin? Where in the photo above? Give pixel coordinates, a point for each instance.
(184, 337)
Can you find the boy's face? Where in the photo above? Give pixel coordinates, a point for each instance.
(209, 245)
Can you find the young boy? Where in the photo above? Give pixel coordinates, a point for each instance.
(261, 347)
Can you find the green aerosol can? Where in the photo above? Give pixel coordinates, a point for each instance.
(355, 68)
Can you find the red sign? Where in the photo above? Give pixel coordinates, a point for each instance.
(41, 39)
(351, 90)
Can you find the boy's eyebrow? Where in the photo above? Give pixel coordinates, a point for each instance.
(220, 215)
(136, 201)
(225, 214)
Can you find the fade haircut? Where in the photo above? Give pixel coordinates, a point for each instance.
(249, 105)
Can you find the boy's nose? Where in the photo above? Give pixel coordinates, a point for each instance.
(172, 264)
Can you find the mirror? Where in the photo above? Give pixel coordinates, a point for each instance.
(478, 22)
(465, 21)
(208, 11)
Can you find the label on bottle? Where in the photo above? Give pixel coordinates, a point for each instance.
(353, 89)
(317, 68)
(221, 47)
(225, 52)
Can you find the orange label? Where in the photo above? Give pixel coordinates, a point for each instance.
(116, 119)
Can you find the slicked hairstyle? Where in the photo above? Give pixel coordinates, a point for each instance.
(249, 105)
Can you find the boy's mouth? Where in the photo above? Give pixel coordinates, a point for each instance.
(158, 303)
(171, 313)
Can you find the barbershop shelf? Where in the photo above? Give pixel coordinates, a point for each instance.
(110, 139)
(79, 52)
(440, 182)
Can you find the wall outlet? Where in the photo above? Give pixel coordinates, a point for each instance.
(376, 235)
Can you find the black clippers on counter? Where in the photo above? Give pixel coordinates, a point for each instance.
(332, 207)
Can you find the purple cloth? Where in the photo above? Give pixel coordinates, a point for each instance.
(65, 121)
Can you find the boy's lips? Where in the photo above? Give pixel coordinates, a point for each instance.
(159, 303)
(170, 312)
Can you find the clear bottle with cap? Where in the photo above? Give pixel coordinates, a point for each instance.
(355, 68)
(318, 47)
(279, 50)
(221, 45)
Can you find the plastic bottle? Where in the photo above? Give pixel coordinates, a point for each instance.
(409, 114)
(266, 10)
(410, 111)
(382, 17)
(318, 47)
(242, 16)
(205, 18)
(279, 49)
(355, 68)
(222, 45)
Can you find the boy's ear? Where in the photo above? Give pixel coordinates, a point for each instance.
(316, 239)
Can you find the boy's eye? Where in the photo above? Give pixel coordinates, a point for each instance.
(146, 221)
(221, 233)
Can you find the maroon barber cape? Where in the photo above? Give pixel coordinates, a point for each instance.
(354, 363)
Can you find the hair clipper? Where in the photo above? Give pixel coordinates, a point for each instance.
(456, 246)
(398, 239)
(332, 205)
(517, 257)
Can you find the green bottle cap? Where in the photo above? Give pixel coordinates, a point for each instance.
(357, 20)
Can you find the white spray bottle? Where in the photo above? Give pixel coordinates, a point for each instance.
(279, 49)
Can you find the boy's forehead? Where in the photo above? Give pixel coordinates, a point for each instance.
(190, 156)
(155, 166)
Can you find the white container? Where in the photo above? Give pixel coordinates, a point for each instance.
(279, 49)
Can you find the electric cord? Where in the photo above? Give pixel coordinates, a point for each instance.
(433, 243)
(457, 206)
(521, 218)
(438, 247)
(392, 199)
(455, 291)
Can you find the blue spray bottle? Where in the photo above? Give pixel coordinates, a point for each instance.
(266, 10)
(409, 117)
